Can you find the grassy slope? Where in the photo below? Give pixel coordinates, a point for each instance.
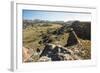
(31, 37)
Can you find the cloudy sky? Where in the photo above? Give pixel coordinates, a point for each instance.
(55, 16)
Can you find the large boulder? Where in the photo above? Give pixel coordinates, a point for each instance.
(55, 52)
(81, 29)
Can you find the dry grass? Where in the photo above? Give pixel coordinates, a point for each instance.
(32, 36)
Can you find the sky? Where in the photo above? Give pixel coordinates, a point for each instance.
(55, 16)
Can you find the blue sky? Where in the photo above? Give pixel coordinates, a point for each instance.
(55, 16)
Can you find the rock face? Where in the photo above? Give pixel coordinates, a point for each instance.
(71, 40)
(53, 52)
(81, 29)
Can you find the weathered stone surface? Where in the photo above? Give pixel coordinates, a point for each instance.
(59, 53)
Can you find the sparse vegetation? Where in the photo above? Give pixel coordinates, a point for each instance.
(38, 32)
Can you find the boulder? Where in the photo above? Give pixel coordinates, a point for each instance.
(55, 52)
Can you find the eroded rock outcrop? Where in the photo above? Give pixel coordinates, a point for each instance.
(53, 52)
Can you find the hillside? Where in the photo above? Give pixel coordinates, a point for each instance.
(38, 33)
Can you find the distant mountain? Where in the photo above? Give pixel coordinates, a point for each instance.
(38, 21)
